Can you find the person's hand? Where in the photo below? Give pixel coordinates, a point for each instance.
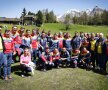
(50, 63)
(46, 62)
(14, 52)
(53, 58)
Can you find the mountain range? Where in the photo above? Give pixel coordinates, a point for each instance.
(78, 13)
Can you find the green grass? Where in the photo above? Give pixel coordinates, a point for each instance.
(63, 78)
(57, 79)
(57, 27)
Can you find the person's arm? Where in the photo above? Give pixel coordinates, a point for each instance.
(57, 57)
(22, 60)
(43, 58)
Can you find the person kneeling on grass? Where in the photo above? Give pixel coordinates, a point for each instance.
(84, 58)
(65, 57)
(26, 64)
(56, 58)
(46, 60)
(74, 57)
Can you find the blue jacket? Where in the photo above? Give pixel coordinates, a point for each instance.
(67, 43)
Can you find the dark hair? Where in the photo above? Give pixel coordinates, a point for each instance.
(27, 30)
(7, 31)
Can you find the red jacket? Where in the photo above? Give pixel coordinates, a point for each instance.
(9, 45)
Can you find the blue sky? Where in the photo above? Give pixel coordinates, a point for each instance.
(13, 8)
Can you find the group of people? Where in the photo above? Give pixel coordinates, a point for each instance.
(47, 51)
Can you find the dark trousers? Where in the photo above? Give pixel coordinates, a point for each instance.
(100, 60)
(93, 58)
(105, 59)
(43, 65)
(56, 62)
(26, 69)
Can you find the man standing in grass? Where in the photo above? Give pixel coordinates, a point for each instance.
(9, 50)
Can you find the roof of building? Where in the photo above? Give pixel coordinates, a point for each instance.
(9, 19)
(29, 16)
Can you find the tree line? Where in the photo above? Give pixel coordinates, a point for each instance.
(96, 19)
(40, 17)
(46, 16)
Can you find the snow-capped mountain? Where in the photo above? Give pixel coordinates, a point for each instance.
(77, 13)
(96, 10)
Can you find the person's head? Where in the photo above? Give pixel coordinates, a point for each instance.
(22, 30)
(47, 50)
(97, 35)
(33, 31)
(56, 51)
(85, 39)
(88, 35)
(60, 34)
(67, 35)
(26, 51)
(7, 33)
(81, 34)
(76, 34)
(64, 34)
(14, 29)
(28, 32)
(92, 35)
(101, 35)
(64, 49)
(55, 37)
(49, 32)
(43, 35)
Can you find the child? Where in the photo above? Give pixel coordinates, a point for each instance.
(25, 62)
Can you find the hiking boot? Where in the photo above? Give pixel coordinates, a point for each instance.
(9, 77)
(44, 70)
(5, 78)
(22, 76)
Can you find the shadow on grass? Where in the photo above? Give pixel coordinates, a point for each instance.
(99, 72)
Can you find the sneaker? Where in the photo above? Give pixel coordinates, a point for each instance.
(58, 67)
(5, 78)
(9, 77)
(22, 76)
(44, 70)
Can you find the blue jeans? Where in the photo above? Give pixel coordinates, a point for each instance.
(7, 64)
(34, 54)
(1, 60)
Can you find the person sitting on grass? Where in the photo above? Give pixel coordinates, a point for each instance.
(46, 60)
(84, 58)
(25, 62)
(65, 57)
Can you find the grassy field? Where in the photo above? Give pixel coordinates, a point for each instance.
(59, 79)
(57, 27)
